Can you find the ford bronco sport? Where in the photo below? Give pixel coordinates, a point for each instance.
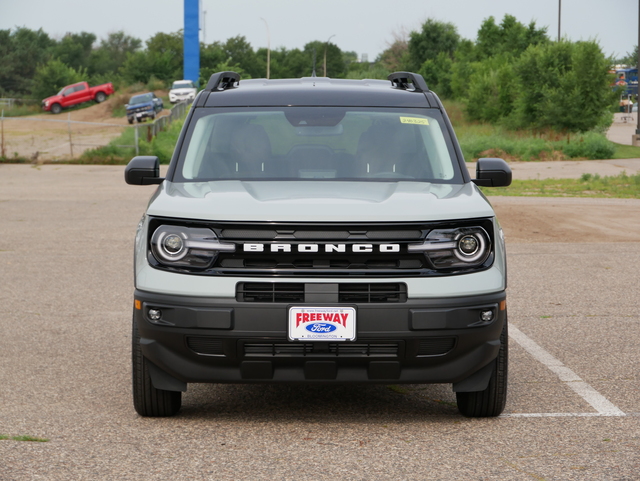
(318, 230)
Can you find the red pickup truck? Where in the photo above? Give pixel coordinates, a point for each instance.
(76, 94)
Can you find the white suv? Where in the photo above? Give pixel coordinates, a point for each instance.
(182, 91)
(319, 231)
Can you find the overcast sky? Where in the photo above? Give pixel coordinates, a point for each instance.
(363, 26)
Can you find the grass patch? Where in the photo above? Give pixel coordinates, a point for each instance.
(487, 140)
(626, 152)
(117, 153)
(621, 186)
(22, 109)
(23, 438)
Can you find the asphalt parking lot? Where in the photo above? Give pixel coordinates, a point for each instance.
(573, 411)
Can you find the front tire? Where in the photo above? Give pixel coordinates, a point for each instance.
(56, 109)
(147, 400)
(491, 401)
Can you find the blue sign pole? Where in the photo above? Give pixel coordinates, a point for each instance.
(192, 40)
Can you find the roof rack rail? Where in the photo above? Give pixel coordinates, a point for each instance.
(222, 81)
(403, 80)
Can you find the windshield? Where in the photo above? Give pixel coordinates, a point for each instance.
(318, 143)
(141, 99)
(182, 85)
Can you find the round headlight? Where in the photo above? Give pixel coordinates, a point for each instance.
(471, 247)
(173, 243)
(468, 245)
(170, 246)
(181, 246)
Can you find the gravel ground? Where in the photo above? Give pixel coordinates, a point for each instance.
(65, 303)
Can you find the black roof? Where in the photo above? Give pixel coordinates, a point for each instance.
(230, 91)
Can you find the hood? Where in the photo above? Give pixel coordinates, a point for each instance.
(140, 106)
(291, 201)
(182, 91)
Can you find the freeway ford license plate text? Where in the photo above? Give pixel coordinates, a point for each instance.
(322, 324)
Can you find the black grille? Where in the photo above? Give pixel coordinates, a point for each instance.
(269, 292)
(315, 349)
(319, 250)
(365, 293)
(207, 346)
(437, 346)
(295, 292)
(328, 234)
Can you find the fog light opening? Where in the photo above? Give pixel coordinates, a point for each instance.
(486, 316)
(155, 314)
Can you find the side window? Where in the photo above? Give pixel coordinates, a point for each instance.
(80, 87)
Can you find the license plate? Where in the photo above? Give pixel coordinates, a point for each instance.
(322, 324)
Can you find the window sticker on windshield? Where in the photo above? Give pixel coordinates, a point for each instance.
(414, 120)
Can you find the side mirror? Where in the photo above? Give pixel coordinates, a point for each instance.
(143, 170)
(492, 172)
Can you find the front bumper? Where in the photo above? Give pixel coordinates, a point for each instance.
(174, 98)
(220, 340)
(141, 115)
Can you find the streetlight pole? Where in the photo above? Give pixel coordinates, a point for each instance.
(559, 17)
(268, 48)
(325, 54)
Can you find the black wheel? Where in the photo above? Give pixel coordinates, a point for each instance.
(56, 109)
(492, 400)
(100, 97)
(130, 120)
(147, 400)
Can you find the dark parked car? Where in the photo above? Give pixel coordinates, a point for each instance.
(142, 106)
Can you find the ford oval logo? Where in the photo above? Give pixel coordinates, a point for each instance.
(320, 327)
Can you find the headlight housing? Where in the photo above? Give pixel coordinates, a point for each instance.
(180, 246)
(455, 248)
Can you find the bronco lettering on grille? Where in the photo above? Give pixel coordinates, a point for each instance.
(314, 248)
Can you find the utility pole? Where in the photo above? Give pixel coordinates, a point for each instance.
(559, 18)
(325, 54)
(268, 48)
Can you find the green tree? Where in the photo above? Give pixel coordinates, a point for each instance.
(21, 51)
(630, 59)
(434, 38)
(289, 63)
(75, 49)
(211, 55)
(462, 69)
(564, 86)
(52, 76)
(437, 74)
(493, 89)
(162, 59)
(510, 37)
(112, 53)
(239, 52)
(395, 58)
(336, 66)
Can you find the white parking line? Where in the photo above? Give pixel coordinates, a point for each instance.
(602, 405)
